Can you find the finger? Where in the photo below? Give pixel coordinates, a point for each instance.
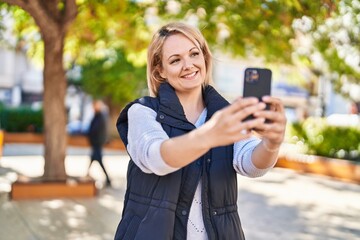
(235, 133)
(241, 103)
(276, 121)
(251, 124)
(272, 116)
(247, 111)
(272, 128)
(274, 135)
(247, 125)
(276, 103)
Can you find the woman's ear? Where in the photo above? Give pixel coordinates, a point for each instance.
(161, 72)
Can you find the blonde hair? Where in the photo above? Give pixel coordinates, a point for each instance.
(154, 55)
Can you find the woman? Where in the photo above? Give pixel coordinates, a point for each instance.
(187, 144)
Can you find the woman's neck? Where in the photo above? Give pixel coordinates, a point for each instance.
(193, 105)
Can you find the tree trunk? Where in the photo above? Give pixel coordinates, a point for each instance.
(114, 111)
(53, 19)
(54, 108)
(53, 22)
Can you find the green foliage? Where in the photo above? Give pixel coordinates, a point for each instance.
(21, 119)
(335, 43)
(108, 40)
(326, 140)
(103, 25)
(26, 32)
(113, 77)
(262, 28)
(241, 28)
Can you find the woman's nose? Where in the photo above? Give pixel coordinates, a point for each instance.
(188, 65)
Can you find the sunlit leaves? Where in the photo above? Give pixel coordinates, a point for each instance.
(114, 77)
(333, 47)
(241, 27)
(117, 24)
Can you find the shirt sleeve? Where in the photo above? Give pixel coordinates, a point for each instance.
(242, 158)
(145, 136)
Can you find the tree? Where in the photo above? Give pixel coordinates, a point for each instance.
(100, 25)
(239, 27)
(115, 79)
(111, 51)
(107, 76)
(53, 19)
(260, 28)
(332, 48)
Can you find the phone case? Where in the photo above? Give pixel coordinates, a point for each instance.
(257, 83)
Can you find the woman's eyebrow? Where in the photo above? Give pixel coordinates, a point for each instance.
(175, 55)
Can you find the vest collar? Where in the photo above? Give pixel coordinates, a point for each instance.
(172, 113)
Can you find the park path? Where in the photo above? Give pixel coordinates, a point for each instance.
(282, 205)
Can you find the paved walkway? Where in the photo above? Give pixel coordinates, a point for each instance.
(281, 205)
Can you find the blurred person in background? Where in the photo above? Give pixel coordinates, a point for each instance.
(187, 144)
(97, 135)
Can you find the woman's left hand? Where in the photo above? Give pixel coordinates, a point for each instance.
(272, 131)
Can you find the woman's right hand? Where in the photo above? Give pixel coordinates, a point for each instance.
(225, 127)
(228, 126)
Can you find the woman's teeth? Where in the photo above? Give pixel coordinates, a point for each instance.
(190, 75)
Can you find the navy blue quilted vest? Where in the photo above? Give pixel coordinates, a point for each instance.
(157, 207)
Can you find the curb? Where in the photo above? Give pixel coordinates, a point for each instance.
(340, 169)
(72, 140)
(30, 188)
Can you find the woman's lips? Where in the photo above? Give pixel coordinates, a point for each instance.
(190, 76)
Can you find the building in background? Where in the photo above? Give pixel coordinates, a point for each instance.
(20, 82)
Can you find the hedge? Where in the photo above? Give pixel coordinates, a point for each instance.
(21, 119)
(320, 138)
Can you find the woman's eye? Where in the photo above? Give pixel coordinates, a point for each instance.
(194, 54)
(174, 61)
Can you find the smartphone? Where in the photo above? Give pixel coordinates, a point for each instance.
(257, 83)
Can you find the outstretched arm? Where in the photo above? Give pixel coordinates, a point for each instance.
(225, 127)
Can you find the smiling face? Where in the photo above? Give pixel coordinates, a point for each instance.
(183, 64)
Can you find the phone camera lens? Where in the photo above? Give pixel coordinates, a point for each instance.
(252, 76)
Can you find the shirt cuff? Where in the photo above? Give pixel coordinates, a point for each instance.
(251, 170)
